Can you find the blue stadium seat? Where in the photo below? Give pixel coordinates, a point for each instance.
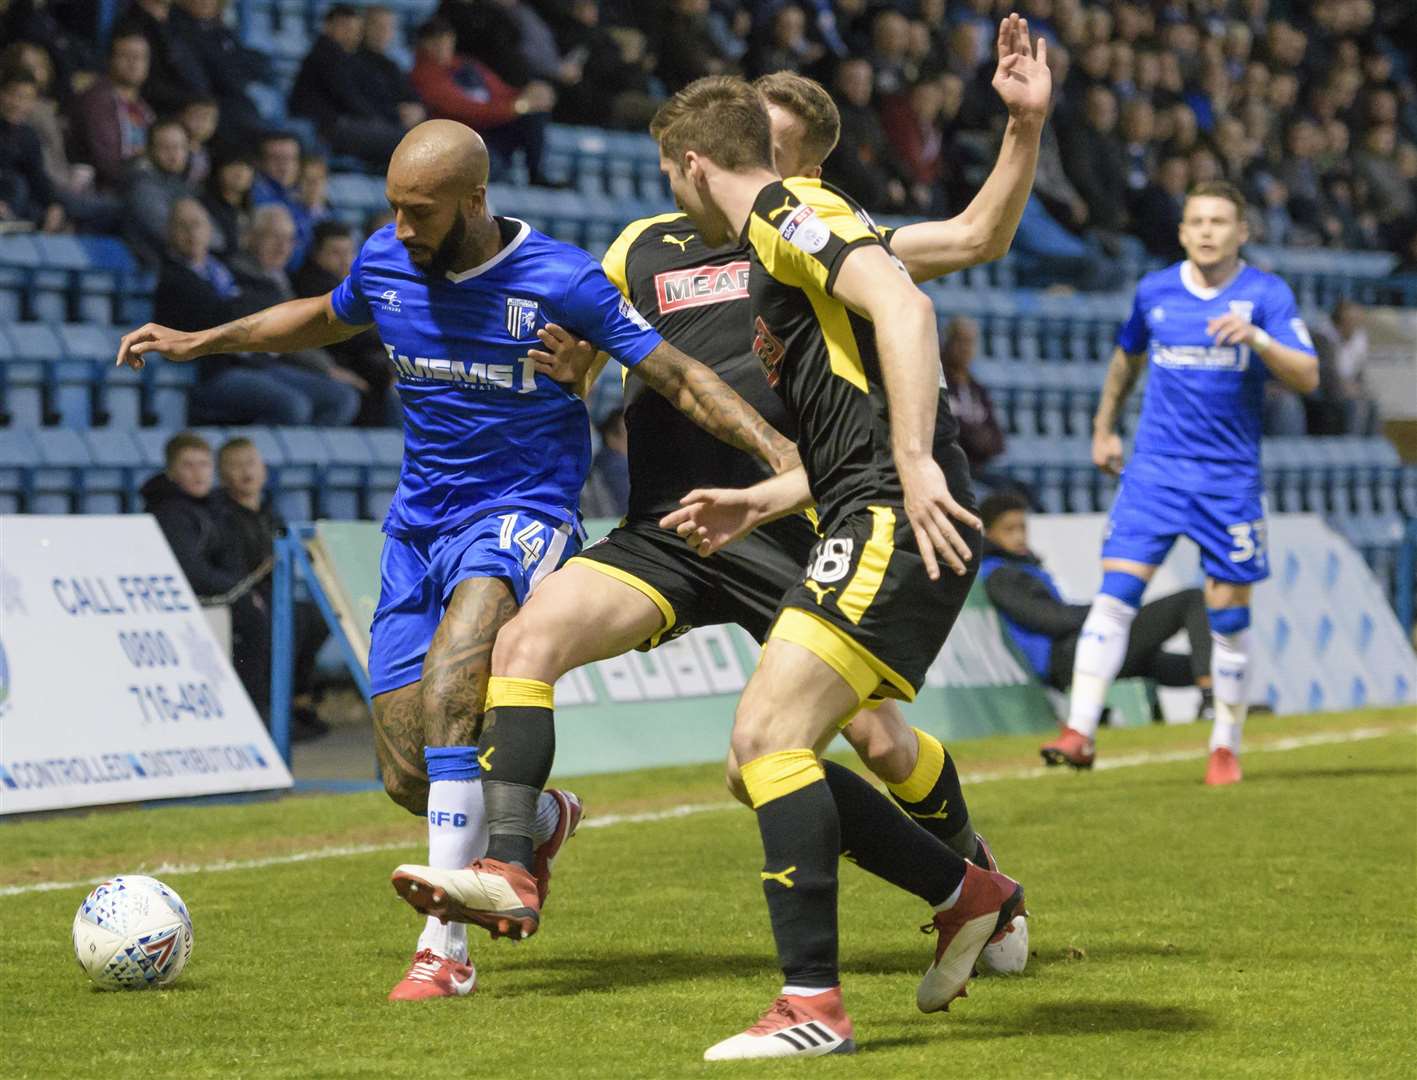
(62, 472)
(17, 457)
(117, 448)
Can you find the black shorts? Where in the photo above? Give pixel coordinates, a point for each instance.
(743, 584)
(866, 606)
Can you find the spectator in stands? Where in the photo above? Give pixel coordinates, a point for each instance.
(330, 90)
(687, 49)
(200, 118)
(385, 83)
(864, 162)
(48, 122)
(26, 191)
(229, 66)
(261, 274)
(607, 489)
(196, 290)
(200, 533)
(459, 88)
(981, 437)
(1095, 161)
(1158, 209)
(227, 199)
(615, 84)
(254, 525)
(331, 256)
(1045, 628)
(278, 181)
(890, 52)
(785, 45)
(176, 73)
(154, 186)
(1343, 360)
(312, 191)
(110, 120)
(1393, 194)
(913, 123)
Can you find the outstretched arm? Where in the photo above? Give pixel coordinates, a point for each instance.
(709, 519)
(985, 229)
(296, 324)
(714, 405)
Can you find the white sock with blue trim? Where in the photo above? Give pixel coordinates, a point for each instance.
(1101, 647)
(457, 832)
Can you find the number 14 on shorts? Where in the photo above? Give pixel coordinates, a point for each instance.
(530, 539)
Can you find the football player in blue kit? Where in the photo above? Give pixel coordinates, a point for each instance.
(495, 456)
(1212, 330)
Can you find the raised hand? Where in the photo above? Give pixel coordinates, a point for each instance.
(1022, 79)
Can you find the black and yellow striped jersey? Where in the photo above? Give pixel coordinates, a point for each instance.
(818, 354)
(697, 298)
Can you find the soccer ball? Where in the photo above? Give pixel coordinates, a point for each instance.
(132, 933)
(1009, 956)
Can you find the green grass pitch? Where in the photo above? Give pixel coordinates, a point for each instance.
(1268, 929)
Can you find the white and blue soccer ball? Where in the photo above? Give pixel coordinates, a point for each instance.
(132, 933)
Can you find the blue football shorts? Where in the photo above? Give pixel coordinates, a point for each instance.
(1228, 527)
(418, 576)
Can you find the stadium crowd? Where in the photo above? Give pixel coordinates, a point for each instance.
(154, 133)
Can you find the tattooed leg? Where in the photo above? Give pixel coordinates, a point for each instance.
(398, 745)
(455, 671)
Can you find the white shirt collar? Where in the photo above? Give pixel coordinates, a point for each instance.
(483, 267)
(1191, 279)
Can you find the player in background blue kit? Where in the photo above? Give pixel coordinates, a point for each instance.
(495, 454)
(1213, 330)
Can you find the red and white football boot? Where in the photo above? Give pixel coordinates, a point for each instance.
(1072, 747)
(500, 897)
(434, 976)
(572, 809)
(792, 1027)
(1007, 952)
(987, 902)
(1224, 768)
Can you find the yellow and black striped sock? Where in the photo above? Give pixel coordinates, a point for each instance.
(798, 823)
(517, 749)
(931, 795)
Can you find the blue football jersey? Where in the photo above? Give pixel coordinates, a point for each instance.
(1201, 414)
(482, 428)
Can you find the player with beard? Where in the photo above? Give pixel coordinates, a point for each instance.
(643, 579)
(494, 458)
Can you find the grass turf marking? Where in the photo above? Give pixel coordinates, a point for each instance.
(1294, 742)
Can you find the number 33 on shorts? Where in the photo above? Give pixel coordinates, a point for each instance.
(1249, 541)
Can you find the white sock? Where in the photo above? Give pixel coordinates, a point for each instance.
(548, 816)
(457, 834)
(952, 899)
(1230, 672)
(1101, 647)
(806, 991)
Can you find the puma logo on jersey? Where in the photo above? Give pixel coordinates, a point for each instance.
(786, 206)
(683, 244)
(484, 759)
(820, 593)
(781, 877)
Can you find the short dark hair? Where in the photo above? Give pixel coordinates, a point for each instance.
(999, 504)
(183, 440)
(124, 33)
(1220, 189)
(434, 27)
(719, 116)
(241, 442)
(814, 108)
(277, 136)
(329, 229)
(18, 75)
(342, 11)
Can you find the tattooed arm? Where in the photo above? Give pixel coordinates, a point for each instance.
(288, 327)
(1122, 375)
(714, 405)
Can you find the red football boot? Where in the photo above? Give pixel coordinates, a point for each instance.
(434, 976)
(793, 1027)
(572, 810)
(1224, 768)
(1072, 747)
(987, 902)
(502, 898)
